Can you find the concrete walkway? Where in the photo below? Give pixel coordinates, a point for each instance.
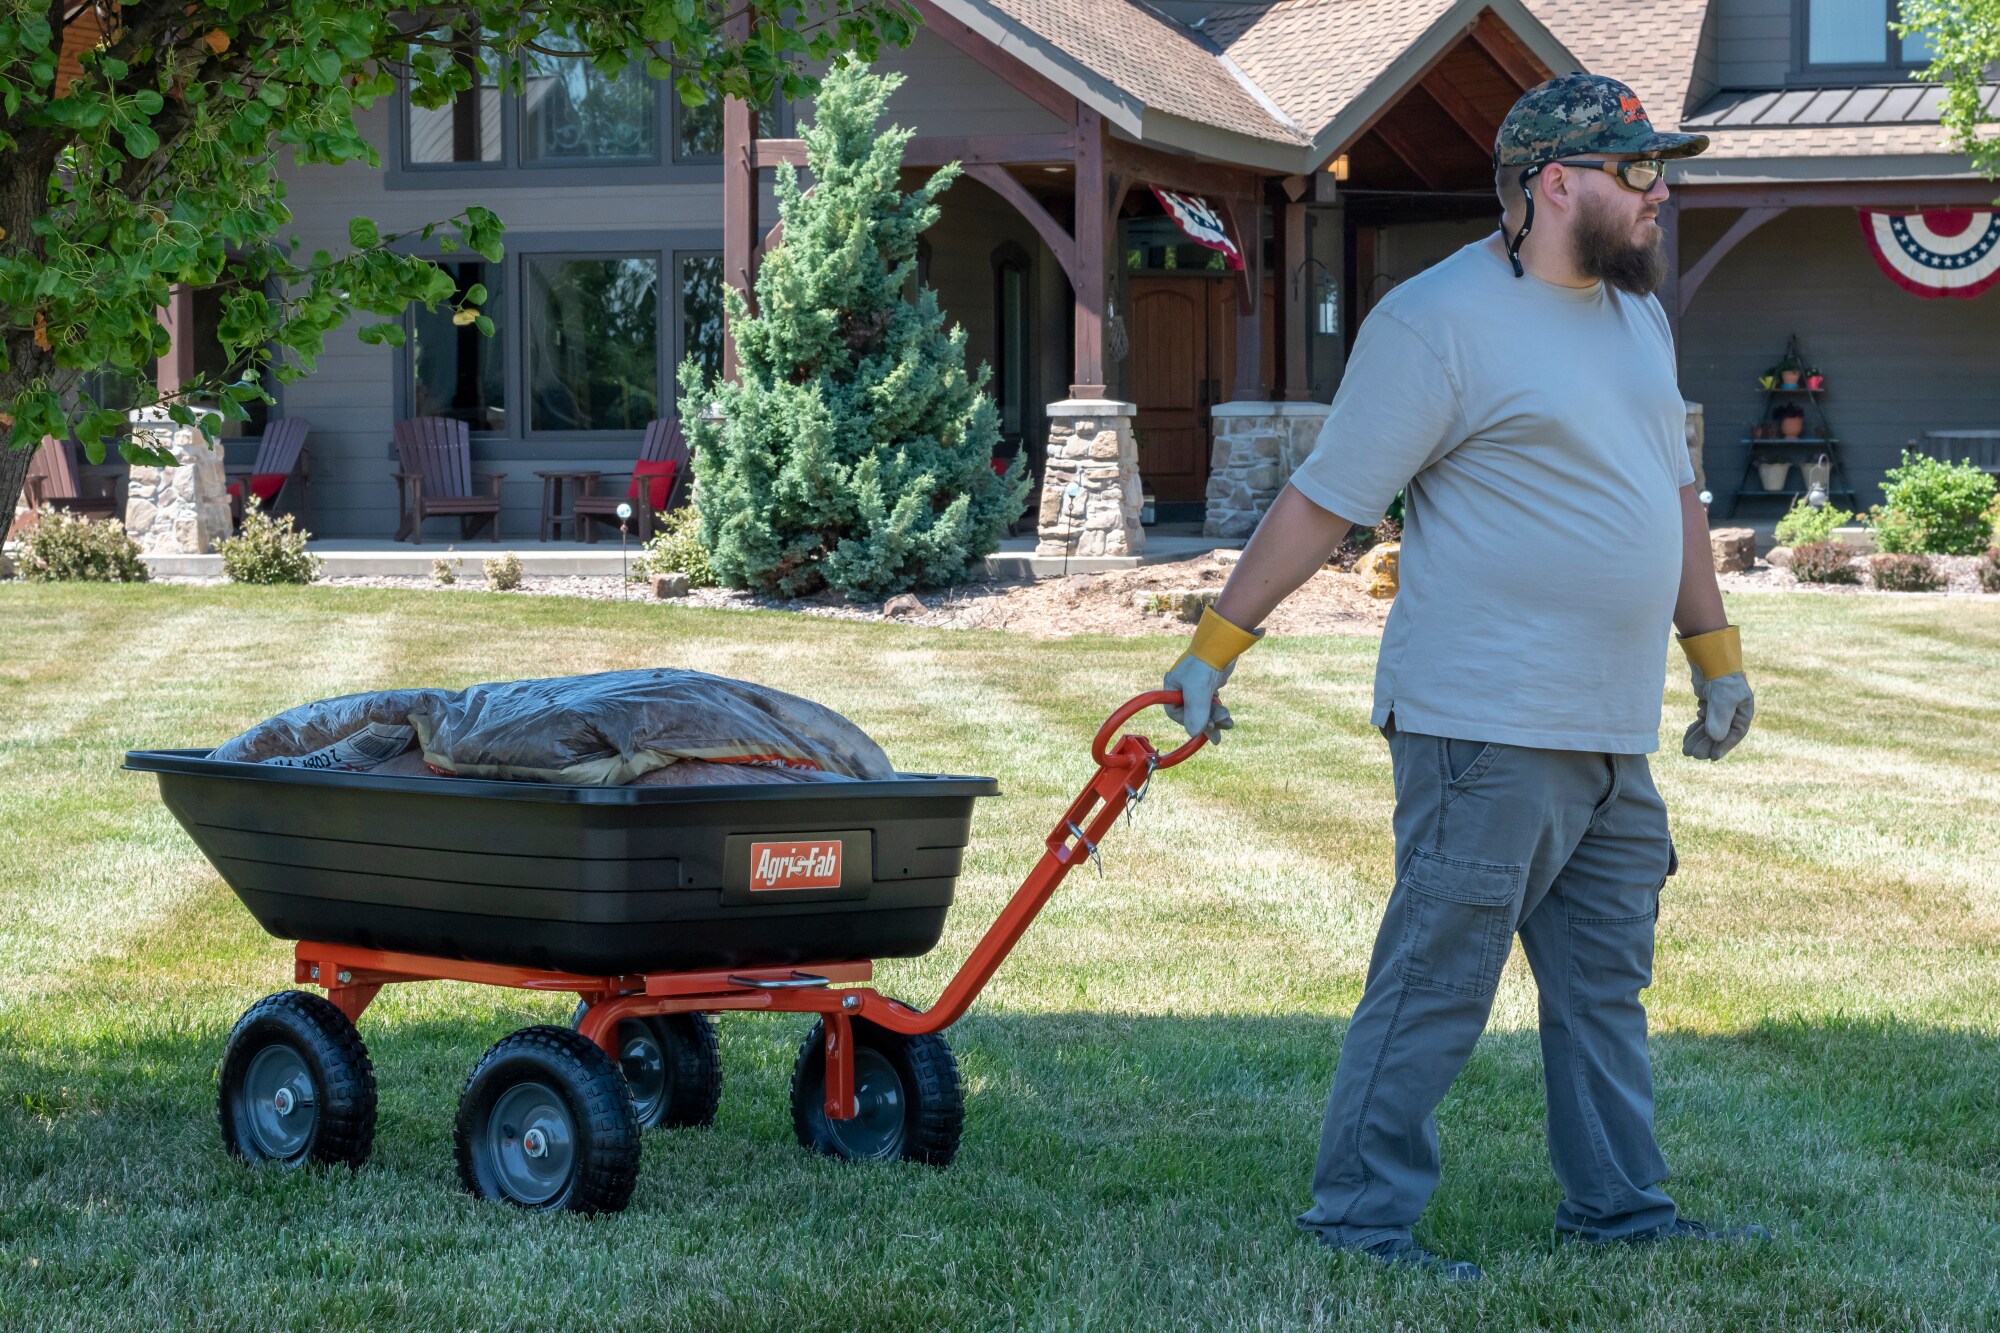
(365, 557)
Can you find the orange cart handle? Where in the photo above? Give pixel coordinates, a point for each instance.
(1100, 748)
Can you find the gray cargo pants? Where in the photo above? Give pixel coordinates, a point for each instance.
(1569, 848)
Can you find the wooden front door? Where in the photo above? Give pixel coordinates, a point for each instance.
(1183, 332)
(1172, 383)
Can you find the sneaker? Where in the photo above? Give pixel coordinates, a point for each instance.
(1409, 1254)
(1681, 1228)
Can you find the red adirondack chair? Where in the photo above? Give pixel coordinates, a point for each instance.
(664, 443)
(281, 452)
(54, 482)
(437, 480)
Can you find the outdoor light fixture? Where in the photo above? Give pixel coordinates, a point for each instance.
(1338, 168)
(624, 512)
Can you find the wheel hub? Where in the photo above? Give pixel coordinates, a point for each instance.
(283, 1101)
(531, 1147)
(280, 1106)
(877, 1129)
(535, 1143)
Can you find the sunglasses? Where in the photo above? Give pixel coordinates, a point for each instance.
(1640, 174)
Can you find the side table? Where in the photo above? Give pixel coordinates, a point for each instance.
(553, 513)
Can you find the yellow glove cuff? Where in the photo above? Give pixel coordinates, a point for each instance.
(1717, 653)
(1217, 643)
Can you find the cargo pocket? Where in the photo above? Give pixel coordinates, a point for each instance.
(1458, 922)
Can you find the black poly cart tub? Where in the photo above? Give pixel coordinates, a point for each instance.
(597, 880)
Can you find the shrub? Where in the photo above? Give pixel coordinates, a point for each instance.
(503, 572)
(1804, 524)
(1988, 570)
(1892, 531)
(1824, 562)
(444, 569)
(1944, 504)
(64, 549)
(676, 548)
(1905, 572)
(267, 550)
(854, 449)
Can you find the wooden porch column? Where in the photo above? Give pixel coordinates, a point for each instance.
(1247, 214)
(1092, 221)
(176, 368)
(740, 233)
(1294, 295)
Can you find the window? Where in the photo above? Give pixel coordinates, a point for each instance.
(593, 342)
(589, 333)
(1856, 33)
(569, 115)
(1012, 328)
(457, 371)
(574, 113)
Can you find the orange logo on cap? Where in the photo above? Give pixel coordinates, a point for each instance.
(1630, 106)
(795, 865)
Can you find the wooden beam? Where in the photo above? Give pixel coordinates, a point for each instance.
(1691, 280)
(1059, 241)
(1410, 151)
(934, 150)
(1093, 220)
(1463, 114)
(1017, 75)
(1242, 217)
(1840, 194)
(739, 201)
(176, 368)
(1506, 51)
(1150, 166)
(1296, 187)
(1293, 302)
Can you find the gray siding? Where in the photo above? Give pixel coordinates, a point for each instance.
(1753, 42)
(1896, 364)
(1706, 76)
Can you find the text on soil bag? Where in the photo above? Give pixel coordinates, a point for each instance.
(795, 865)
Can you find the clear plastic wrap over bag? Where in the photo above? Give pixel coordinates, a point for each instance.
(600, 730)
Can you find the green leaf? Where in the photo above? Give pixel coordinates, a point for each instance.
(362, 234)
(324, 67)
(148, 101)
(476, 294)
(484, 324)
(140, 141)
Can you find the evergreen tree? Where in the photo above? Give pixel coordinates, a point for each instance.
(853, 451)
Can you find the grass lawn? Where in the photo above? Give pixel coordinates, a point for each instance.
(1145, 1077)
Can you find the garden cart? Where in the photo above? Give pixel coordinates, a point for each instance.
(657, 907)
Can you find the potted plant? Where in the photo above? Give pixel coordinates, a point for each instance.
(1767, 381)
(1814, 380)
(1773, 474)
(1791, 419)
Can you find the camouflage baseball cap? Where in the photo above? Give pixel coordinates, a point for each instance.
(1576, 114)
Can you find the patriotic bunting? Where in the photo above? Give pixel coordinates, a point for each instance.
(1943, 252)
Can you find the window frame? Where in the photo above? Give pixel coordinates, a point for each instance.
(520, 442)
(515, 171)
(1006, 256)
(1807, 73)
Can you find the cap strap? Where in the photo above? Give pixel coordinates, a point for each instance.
(1527, 222)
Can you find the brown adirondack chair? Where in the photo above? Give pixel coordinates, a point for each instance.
(664, 443)
(55, 482)
(436, 480)
(281, 452)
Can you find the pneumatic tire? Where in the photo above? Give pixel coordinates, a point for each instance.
(912, 1108)
(546, 1122)
(296, 1085)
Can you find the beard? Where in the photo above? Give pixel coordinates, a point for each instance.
(1604, 249)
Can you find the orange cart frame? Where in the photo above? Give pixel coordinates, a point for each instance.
(352, 977)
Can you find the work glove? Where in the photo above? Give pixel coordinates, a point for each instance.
(1724, 703)
(1202, 671)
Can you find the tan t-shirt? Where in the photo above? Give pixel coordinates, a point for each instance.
(1539, 435)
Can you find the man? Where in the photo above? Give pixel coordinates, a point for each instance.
(1522, 395)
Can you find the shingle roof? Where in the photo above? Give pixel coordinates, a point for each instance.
(1164, 64)
(1648, 45)
(1314, 57)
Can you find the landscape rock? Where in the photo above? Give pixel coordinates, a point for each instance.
(671, 585)
(1780, 557)
(1186, 603)
(1380, 567)
(1734, 549)
(903, 604)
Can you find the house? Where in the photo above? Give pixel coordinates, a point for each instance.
(1172, 219)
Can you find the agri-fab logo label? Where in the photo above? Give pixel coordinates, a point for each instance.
(795, 865)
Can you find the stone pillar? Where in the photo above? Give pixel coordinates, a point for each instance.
(1091, 445)
(1257, 448)
(178, 510)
